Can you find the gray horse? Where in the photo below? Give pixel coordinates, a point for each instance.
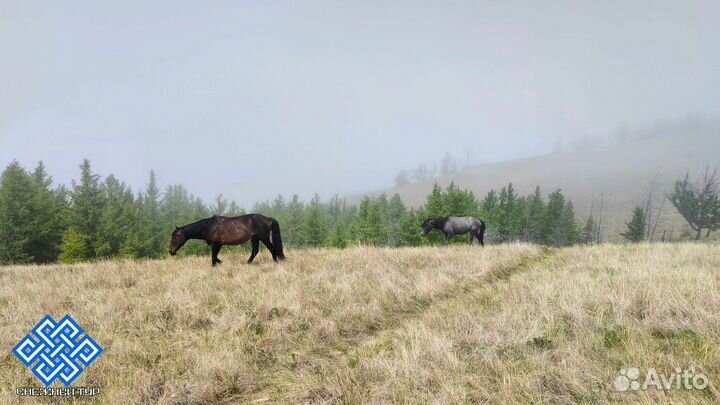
(452, 226)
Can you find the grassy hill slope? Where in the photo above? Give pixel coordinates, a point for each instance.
(621, 172)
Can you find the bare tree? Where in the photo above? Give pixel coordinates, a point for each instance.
(699, 203)
(599, 235)
(657, 220)
(652, 187)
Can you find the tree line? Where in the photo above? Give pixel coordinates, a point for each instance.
(448, 165)
(96, 218)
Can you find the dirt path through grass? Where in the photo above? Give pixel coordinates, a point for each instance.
(317, 387)
(556, 330)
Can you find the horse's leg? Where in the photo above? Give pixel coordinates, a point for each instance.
(472, 235)
(271, 248)
(255, 249)
(215, 250)
(448, 236)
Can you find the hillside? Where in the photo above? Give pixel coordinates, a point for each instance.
(622, 172)
(462, 325)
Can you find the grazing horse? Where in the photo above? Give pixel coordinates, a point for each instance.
(452, 226)
(218, 231)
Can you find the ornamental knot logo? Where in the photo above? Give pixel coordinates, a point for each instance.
(61, 349)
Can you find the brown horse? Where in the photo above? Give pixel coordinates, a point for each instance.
(218, 231)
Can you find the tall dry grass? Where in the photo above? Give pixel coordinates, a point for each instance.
(557, 333)
(177, 331)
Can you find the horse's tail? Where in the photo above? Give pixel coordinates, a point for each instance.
(277, 239)
(481, 233)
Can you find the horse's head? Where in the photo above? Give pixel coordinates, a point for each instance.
(177, 240)
(428, 226)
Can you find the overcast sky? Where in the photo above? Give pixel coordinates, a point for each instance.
(252, 99)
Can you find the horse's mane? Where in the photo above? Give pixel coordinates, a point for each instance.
(197, 225)
(198, 222)
(437, 221)
(440, 221)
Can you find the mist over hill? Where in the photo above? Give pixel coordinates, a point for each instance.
(620, 172)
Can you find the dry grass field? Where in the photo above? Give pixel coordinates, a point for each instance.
(458, 325)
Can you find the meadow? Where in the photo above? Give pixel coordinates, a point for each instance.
(511, 323)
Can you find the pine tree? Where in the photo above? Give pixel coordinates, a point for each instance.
(507, 220)
(553, 230)
(150, 228)
(314, 229)
(339, 238)
(336, 208)
(458, 202)
(533, 217)
(17, 195)
(116, 217)
(48, 220)
(176, 206)
(409, 230)
(221, 205)
(636, 227)
(378, 232)
(435, 203)
(278, 210)
(234, 210)
(360, 229)
(87, 204)
(293, 223)
(699, 203)
(489, 212)
(569, 225)
(588, 233)
(75, 247)
(396, 212)
(489, 206)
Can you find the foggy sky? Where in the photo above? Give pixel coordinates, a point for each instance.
(252, 99)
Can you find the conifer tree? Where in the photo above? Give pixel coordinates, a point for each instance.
(220, 207)
(553, 225)
(377, 225)
(396, 212)
(569, 225)
(409, 229)
(75, 247)
(293, 223)
(48, 221)
(150, 229)
(17, 193)
(588, 233)
(533, 217)
(507, 221)
(636, 227)
(313, 228)
(87, 204)
(435, 203)
(458, 202)
(116, 217)
(699, 203)
(339, 238)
